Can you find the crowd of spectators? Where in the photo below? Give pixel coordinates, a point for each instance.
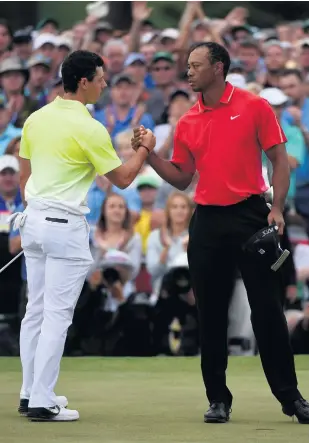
(137, 299)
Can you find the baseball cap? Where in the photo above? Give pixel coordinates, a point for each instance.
(104, 26)
(237, 80)
(236, 64)
(9, 162)
(46, 21)
(22, 36)
(274, 96)
(43, 39)
(163, 56)
(39, 59)
(149, 181)
(134, 57)
(64, 41)
(171, 33)
(241, 28)
(122, 78)
(200, 22)
(148, 37)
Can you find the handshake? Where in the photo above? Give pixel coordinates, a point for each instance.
(143, 138)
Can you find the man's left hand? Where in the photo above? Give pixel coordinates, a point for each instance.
(275, 217)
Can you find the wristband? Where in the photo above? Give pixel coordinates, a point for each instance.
(147, 149)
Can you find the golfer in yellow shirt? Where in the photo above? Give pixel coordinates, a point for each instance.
(62, 149)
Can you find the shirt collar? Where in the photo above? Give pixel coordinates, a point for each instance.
(225, 98)
(71, 104)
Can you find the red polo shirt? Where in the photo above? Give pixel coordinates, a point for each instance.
(224, 144)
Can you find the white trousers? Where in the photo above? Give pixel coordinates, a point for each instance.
(57, 260)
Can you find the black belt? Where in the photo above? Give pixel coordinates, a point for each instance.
(56, 220)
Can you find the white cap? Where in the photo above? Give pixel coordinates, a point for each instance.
(9, 161)
(237, 80)
(170, 33)
(180, 261)
(274, 96)
(64, 41)
(121, 260)
(44, 38)
(148, 37)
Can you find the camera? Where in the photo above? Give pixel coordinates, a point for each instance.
(177, 280)
(111, 275)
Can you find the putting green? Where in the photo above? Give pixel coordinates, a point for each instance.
(146, 400)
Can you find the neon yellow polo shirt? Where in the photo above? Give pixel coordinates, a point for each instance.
(66, 148)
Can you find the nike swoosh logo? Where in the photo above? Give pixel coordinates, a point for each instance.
(235, 116)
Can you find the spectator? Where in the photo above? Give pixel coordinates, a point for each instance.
(166, 243)
(10, 198)
(5, 38)
(13, 77)
(116, 52)
(149, 219)
(48, 26)
(295, 145)
(275, 61)
(39, 69)
(7, 131)
(64, 47)
(22, 44)
(122, 114)
(114, 232)
(46, 44)
(56, 88)
(249, 55)
(164, 73)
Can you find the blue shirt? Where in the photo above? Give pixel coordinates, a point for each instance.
(6, 209)
(14, 234)
(8, 135)
(302, 173)
(96, 197)
(121, 125)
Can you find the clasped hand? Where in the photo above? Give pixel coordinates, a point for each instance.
(143, 137)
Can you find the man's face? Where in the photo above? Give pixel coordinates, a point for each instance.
(9, 181)
(4, 38)
(163, 72)
(39, 76)
(103, 36)
(23, 50)
(179, 106)
(304, 58)
(148, 51)
(201, 73)
(12, 82)
(61, 53)
(95, 88)
(292, 86)
(249, 57)
(137, 71)
(241, 35)
(147, 195)
(116, 57)
(48, 50)
(275, 59)
(122, 94)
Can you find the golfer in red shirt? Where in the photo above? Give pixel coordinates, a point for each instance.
(222, 137)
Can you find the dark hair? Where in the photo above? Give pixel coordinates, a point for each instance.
(78, 65)
(217, 53)
(6, 24)
(250, 43)
(295, 72)
(102, 220)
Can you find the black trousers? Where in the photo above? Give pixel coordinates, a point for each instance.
(215, 252)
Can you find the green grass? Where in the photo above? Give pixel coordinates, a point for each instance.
(147, 400)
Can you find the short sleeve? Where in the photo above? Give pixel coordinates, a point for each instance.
(181, 153)
(269, 130)
(24, 150)
(100, 151)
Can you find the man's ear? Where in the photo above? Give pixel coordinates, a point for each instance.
(83, 83)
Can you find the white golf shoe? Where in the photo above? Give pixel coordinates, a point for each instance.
(56, 413)
(24, 404)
